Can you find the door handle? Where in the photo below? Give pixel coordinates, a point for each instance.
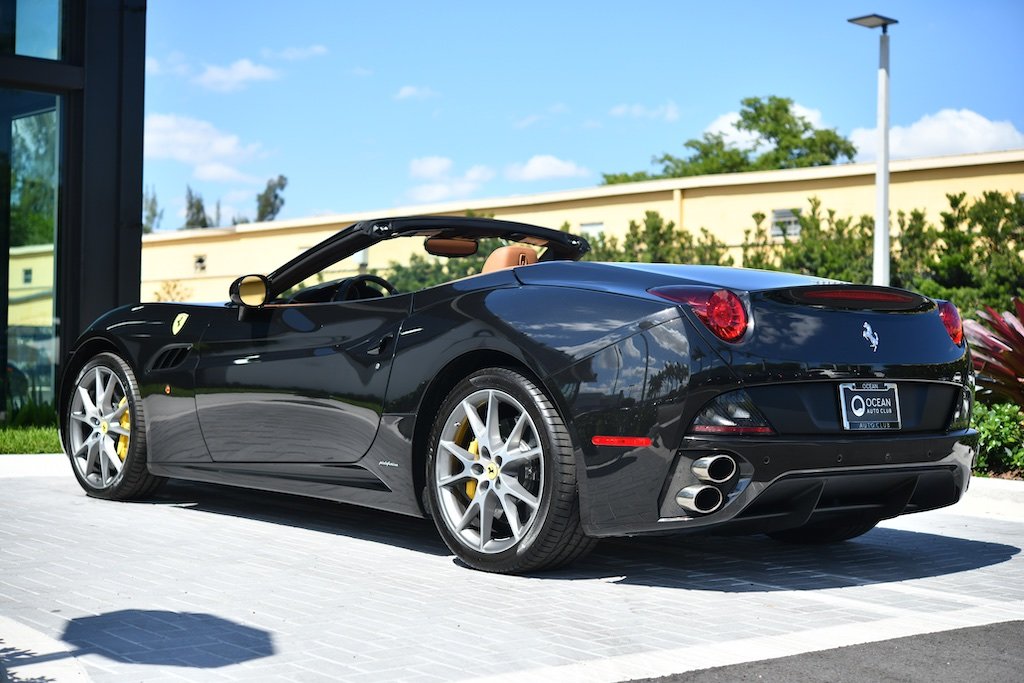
(380, 346)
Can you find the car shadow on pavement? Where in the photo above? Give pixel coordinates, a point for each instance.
(757, 563)
(302, 512)
(695, 562)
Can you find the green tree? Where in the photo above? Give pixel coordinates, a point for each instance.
(658, 241)
(270, 201)
(783, 139)
(830, 247)
(759, 249)
(791, 140)
(424, 270)
(152, 214)
(195, 210)
(910, 264)
(33, 177)
(977, 259)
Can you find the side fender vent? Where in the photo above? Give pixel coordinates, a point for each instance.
(171, 357)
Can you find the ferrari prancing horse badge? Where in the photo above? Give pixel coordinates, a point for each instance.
(179, 322)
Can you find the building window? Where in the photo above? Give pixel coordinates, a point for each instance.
(200, 263)
(591, 228)
(35, 25)
(26, 276)
(785, 223)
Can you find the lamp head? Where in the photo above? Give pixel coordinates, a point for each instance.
(873, 21)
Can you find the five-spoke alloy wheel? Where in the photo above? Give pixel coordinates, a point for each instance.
(501, 476)
(104, 431)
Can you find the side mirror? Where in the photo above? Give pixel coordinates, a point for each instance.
(250, 291)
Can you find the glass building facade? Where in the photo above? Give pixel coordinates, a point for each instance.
(71, 112)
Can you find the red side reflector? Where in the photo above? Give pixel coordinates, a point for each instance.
(729, 429)
(630, 441)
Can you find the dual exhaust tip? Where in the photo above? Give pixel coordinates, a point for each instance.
(703, 498)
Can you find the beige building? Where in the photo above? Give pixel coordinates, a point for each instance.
(198, 265)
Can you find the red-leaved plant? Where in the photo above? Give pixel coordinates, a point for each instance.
(997, 343)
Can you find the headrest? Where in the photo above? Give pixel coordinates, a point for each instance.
(509, 257)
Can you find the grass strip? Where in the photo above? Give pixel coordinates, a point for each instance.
(29, 440)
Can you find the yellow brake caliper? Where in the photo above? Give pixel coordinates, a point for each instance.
(474, 448)
(126, 423)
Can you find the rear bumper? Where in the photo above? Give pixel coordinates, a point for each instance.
(785, 483)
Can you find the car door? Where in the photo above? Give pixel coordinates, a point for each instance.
(297, 382)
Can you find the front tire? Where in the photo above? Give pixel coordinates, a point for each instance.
(501, 476)
(105, 431)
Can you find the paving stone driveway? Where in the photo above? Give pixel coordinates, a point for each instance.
(214, 583)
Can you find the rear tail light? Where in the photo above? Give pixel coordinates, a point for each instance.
(732, 413)
(951, 319)
(720, 310)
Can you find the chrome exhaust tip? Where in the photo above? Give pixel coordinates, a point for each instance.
(699, 498)
(714, 468)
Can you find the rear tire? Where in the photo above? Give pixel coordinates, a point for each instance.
(501, 476)
(104, 431)
(831, 531)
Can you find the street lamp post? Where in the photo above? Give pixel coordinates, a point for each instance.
(880, 266)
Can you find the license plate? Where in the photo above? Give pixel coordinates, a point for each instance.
(870, 406)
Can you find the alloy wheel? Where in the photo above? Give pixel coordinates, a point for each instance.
(99, 428)
(488, 473)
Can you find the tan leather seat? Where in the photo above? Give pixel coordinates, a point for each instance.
(509, 257)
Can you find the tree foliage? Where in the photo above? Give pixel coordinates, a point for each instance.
(972, 258)
(270, 201)
(657, 241)
(152, 214)
(33, 169)
(195, 210)
(782, 139)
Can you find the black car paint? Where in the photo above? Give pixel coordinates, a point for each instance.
(616, 359)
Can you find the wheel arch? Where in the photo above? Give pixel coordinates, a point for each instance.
(83, 353)
(450, 375)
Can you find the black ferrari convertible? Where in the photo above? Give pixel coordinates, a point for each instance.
(541, 404)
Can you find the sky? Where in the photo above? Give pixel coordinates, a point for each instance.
(373, 106)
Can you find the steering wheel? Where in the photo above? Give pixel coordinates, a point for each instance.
(357, 287)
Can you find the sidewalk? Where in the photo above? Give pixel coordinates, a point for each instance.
(213, 583)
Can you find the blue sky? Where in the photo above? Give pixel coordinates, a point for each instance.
(370, 106)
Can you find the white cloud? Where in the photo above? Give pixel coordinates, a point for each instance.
(667, 112)
(725, 125)
(950, 131)
(443, 184)
(222, 173)
(174, 64)
(234, 77)
(430, 168)
(544, 167)
(414, 92)
(294, 54)
(527, 121)
(812, 115)
(212, 153)
(361, 71)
